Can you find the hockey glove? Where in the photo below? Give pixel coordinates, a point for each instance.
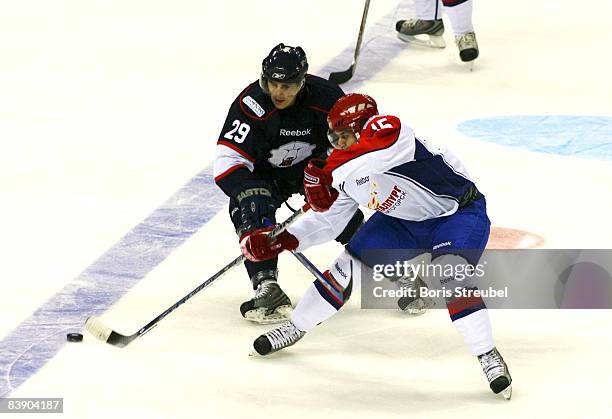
(257, 245)
(317, 186)
(256, 204)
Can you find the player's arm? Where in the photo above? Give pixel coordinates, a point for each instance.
(311, 229)
(235, 152)
(331, 213)
(234, 165)
(315, 228)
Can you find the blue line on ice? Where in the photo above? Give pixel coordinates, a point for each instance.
(36, 340)
(39, 338)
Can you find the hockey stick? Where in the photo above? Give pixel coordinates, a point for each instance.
(108, 335)
(317, 273)
(344, 76)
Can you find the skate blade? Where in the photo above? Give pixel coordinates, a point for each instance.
(281, 314)
(429, 41)
(418, 307)
(507, 392)
(414, 312)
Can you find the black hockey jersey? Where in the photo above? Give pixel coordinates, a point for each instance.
(260, 142)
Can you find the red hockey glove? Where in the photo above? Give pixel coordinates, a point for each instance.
(257, 246)
(317, 186)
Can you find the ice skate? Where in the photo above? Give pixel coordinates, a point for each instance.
(468, 48)
(497, 373)
(417, 305)
(269, 305)
(427, 33)
(276, 339)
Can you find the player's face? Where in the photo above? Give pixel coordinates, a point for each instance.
(346, 138)
(283, 94)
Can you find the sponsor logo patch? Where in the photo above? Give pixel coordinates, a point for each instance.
(253, 105)
(362, 180)
(394, 199)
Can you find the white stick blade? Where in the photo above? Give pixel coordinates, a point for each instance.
(97, 328)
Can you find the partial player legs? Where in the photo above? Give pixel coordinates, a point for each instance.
(460, 15)
(269, 303)
(427, 28)
(320, 302)
(471, 319)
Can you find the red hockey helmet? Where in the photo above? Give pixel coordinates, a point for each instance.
(351, 111)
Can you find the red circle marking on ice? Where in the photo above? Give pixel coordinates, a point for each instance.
(510, 238)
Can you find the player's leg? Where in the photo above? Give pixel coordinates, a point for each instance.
(269, 303)
(323, 299)
(458, 243)
(320, 302)
(407, 239)
(428, 22)
(459, 13)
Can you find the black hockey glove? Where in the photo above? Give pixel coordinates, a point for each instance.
(257, 207)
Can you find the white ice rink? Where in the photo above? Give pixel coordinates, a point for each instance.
(109, 115)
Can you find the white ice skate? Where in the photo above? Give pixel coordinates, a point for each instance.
(282, 337)
(468, 48)
(425, 33)
(497, 373)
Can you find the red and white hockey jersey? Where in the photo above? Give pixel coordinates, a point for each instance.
(391, 171)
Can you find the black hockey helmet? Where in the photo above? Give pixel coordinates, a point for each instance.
(284, 64)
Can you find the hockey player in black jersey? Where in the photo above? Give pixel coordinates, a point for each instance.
(273, 128)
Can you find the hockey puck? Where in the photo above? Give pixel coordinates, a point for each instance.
(74, 337)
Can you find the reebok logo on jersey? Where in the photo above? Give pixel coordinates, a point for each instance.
(437, 246)
(362, 180)
(295, 132)
(340, 271)
(253, 105)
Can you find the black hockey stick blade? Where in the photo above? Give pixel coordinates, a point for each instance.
(340, 77)
(98, 329)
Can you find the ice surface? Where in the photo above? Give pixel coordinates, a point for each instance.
(108, 109)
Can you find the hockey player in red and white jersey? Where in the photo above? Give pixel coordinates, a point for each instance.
(423, 198)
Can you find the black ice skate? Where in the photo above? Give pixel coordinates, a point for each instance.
(417, 305)
(276, 339)
(269, 305)
(468, 47)
(429, 32)
(497, 373)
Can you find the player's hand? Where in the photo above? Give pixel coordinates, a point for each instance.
(317, 186)
(258, 246)
(256, 203)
